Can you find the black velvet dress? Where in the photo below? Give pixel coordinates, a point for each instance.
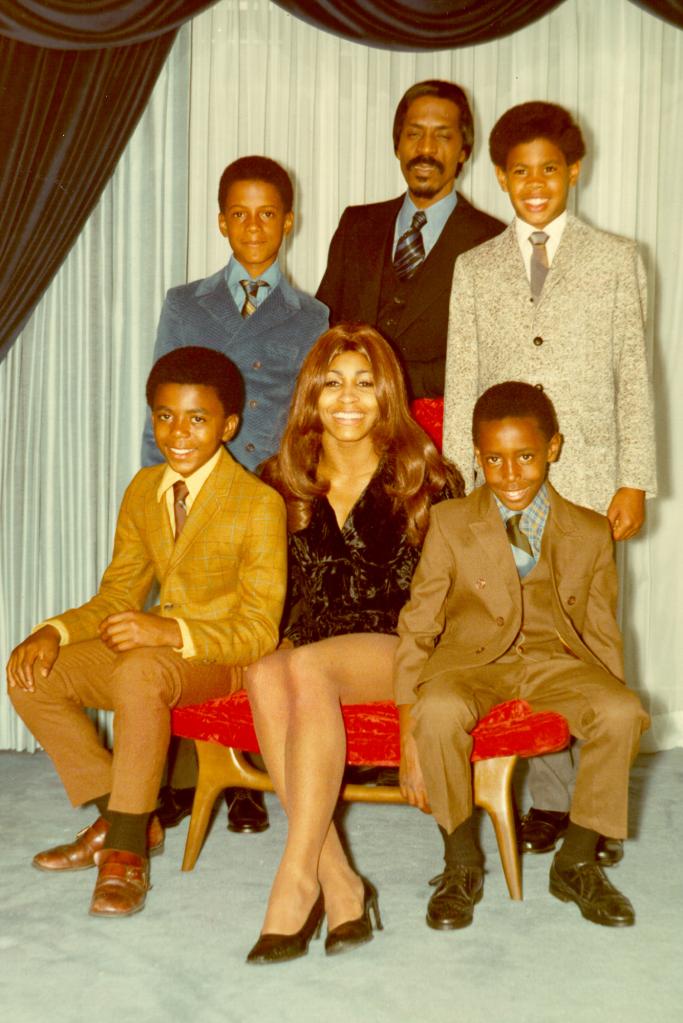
(354, 579)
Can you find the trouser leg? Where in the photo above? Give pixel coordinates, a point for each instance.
(610, 719)
(447, 709)
(551, 781)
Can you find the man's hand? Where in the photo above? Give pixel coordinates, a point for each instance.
(37, 653)
(128, 630)
(626, 512)
(410, 777)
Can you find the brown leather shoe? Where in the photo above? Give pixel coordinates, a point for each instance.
(80, 854)
(122, 883)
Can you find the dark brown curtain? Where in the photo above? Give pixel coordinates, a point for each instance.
(437, 24)
(419, 24)
(74, 80)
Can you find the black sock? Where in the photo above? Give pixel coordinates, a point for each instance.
(128, 832)
(460, 847)
(102, 804)
(578, 846)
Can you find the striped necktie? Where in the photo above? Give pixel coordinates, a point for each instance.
(410, 250)
(250, 293)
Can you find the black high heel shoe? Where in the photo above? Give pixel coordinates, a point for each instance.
(279, 948)
(358, 931)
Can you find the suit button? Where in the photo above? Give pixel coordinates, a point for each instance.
(253, 403)
(167, 607)
(538, 341)
(571, 601)
(390, 321)
(249, 447)
(399, 301)
(256, 365)
(539, 387)
(500, 621)
(479, 650)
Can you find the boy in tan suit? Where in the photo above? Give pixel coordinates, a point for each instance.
(213, 537)
(514, 598)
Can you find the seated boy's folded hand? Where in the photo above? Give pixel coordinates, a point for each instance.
(410, 777)
(128, 630)
(38, 652)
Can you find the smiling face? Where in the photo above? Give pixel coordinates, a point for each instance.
(254, 221)
(430, 149)
(537, 178)
(347, 405)
(514, 455)
(190, 425)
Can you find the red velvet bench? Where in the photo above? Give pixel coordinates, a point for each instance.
(223, 730)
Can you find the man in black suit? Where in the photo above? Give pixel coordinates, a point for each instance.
(393, 270)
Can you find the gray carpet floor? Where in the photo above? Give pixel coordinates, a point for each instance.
(183, 957)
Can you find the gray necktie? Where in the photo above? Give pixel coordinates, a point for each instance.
(539, 262)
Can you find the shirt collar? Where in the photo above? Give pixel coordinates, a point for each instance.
(533, 519)
(195, 482)
(235, 273)
(554, 230)
(437, 214)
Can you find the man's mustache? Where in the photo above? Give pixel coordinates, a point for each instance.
(429, 161)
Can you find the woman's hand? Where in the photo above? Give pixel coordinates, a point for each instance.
(410, 777)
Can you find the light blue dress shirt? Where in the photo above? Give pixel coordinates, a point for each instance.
(437, 215)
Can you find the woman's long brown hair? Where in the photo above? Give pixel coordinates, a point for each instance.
(417, 471)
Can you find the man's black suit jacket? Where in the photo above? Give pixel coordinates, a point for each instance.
(352, 283)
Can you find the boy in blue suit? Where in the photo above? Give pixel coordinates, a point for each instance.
(247, 310)
(251, 313)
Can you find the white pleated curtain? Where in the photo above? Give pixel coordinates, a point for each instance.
(244, 77)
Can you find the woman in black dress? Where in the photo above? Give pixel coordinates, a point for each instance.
(358, 477)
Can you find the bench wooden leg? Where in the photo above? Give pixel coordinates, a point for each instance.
(220, 767)
(493, 792)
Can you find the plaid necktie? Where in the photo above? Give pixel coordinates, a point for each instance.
(180, 493)
(539, 261)
(410, 250)
(250, 293)
(515, 535)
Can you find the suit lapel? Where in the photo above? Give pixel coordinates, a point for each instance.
(219, 303)
(373, 241)
(159, 533)
(487, 527)
(206, 505)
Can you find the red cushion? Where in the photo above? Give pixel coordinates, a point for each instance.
(372, 732)
(428, 412)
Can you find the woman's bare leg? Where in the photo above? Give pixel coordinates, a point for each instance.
(295, 696)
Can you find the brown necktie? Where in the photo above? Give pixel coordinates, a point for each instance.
(516, 536)
(539, 262)
(250, 292)
(180, 493)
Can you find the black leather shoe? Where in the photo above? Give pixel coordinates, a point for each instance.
(174, 805)
(540, 829)
(355, 932)
(458, 891)
(597, 898)
(609, 851)
(280, 948)
(246, 810)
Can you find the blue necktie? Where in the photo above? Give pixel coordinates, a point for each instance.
(410, 250)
